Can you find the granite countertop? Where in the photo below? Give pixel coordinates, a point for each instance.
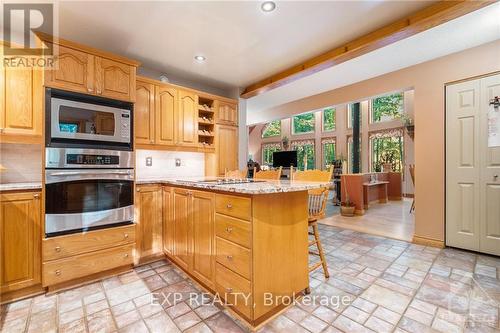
(21, 186)
(258, 187)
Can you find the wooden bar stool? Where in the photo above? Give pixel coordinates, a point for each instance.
(236, 174)
(317, 205)
(267, 174)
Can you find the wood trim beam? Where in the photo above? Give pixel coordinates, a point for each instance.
(427, 18)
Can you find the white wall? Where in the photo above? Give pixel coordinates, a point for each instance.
(192, 164)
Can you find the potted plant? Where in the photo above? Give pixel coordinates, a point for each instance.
(347, 207)
(409, 125)
(285, 143)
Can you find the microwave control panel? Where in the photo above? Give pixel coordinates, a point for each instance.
(125, 125)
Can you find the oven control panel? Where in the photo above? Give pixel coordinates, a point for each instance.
(92, 159)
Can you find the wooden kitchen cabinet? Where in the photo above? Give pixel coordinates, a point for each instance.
(188, 119)
(74, 71)
(166, 106)
(83, 69)
(192, 228)
(168, 220)
(149, 233)
(21, 109)
(226, 151)
(20, 240)
(144, 112)
(114, 79)
(227, 113)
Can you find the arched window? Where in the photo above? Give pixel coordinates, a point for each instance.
(272, 129)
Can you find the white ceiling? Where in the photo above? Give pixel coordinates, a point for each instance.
(468, 31)
(242, 44)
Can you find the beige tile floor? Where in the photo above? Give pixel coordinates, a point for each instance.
(376, 285)
(392, 220)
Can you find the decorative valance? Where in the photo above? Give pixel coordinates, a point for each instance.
(395, 132)
(328, 140)
(271, 145)
(299, 143)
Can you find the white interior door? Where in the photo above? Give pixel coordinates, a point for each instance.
(463, 165)
(490, 174)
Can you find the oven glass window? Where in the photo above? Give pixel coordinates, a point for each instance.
(84, 196)
(78, 120)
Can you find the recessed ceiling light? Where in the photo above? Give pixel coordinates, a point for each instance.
(200, 58)
(268, 6)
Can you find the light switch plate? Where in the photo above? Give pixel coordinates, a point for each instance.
(149, 161)
(177, 162)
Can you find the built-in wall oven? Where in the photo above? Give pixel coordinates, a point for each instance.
(87, 189)
(79, 120)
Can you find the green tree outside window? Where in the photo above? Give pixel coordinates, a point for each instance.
(329, 119)
(267, 154)
(307, 151)
(328, 154)
(272, 129)
(303, 123)
(388, 107)
(387, 150)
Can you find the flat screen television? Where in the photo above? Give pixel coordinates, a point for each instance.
(285, 159)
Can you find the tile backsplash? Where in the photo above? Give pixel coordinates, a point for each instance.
(20, 163)
(163, 164)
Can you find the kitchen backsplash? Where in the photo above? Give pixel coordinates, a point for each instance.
(20, 163)
(164, 164)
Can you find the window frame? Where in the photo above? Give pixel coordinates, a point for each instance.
(294, 145)
(371, 108)
(292, 122)
(323, 149)
(323, 130)
(269, 144)
(370, 147)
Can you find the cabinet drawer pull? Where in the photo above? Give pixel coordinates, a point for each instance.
(229, 290)
(58, 272)
(36, 196)
(89, 89)
(126, 255)
(229, 257)
(138, 190)
(229, 230)
(57, 248)
(229, 206)
(125, 236)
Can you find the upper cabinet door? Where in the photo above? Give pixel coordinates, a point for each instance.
(166, 110)
(188, 119)
(21, 109)
(74, 71)
(114, 79)
(144, 113)
(227, 113)
(227, 148)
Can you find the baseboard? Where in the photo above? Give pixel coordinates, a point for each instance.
(421, 240)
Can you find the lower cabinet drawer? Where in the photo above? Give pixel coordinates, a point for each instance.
(232, 205)
(233, 256)
(63, 270)
(234, 289)
(234, 230)
(70, 245)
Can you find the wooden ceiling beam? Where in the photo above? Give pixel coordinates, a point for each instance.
(427, 18)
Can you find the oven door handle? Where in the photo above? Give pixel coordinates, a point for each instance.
(83, 173)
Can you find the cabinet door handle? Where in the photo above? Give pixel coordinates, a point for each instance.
(57, 248)
(229, 230)
(151, 141)
(89, 89)
(495, 177)
(58, 272)
(126, 255)
(125, 236)
(36, 196)
(138, 190)
(229, 257)
(229, 290)
(1, 130)
(229, 206)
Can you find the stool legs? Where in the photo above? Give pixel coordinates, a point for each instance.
(320, 253)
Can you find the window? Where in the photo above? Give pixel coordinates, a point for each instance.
(328, 147)
(386, 108)
(387, 148)
(350, 156)
(305, 154)
(329, 119)
(267, 152)
(303, 123)
(350, 115)
(272, 129)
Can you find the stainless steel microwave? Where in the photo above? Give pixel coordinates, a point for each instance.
(78, 120)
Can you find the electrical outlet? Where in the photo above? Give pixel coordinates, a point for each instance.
(149, 161)
(177, 162)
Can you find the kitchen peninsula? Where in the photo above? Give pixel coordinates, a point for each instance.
(243, 241)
